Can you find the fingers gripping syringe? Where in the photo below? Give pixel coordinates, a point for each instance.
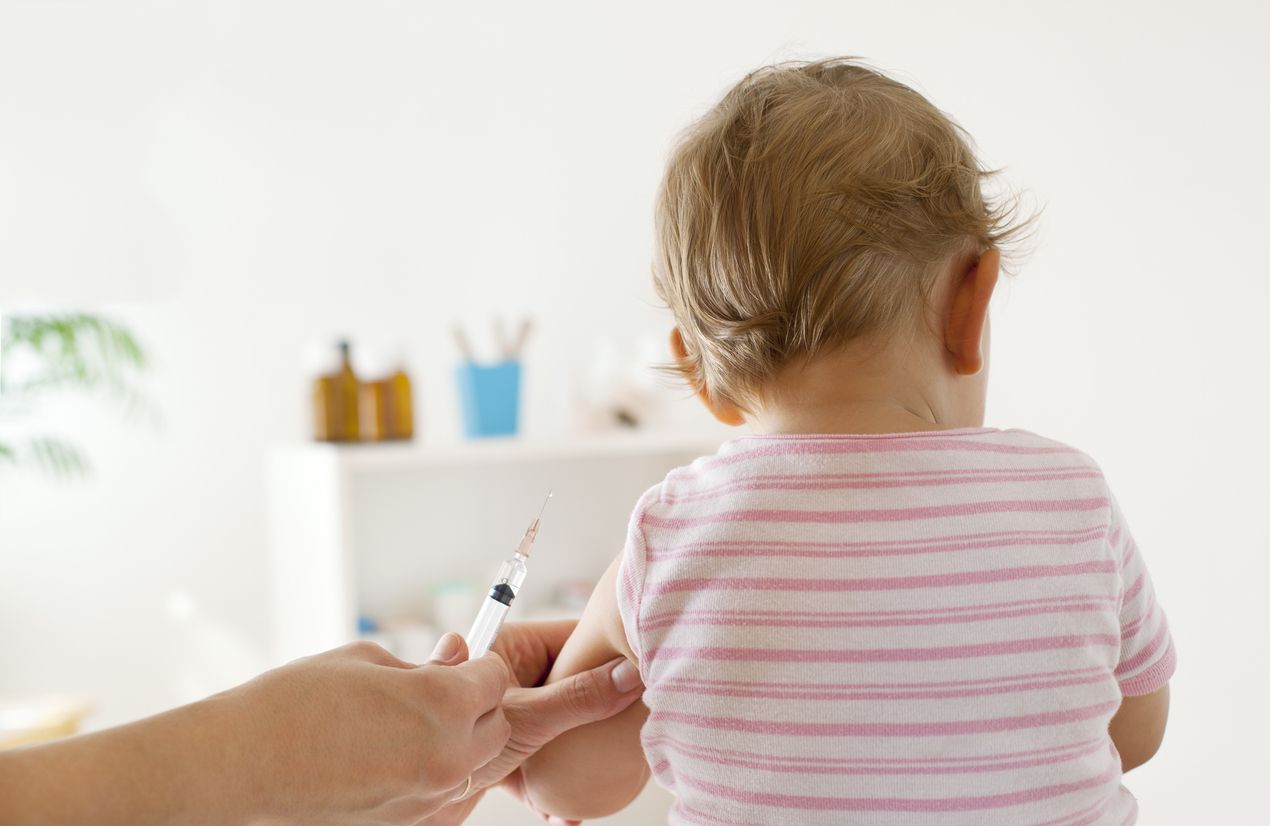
(505, 588)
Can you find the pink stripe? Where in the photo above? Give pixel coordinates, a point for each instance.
(869, 481)
(1100, 741)
(836, 517)
(767, 763)
(1130, 629)
(826, 550)
(883, 655)
(688, 813)
(1133, 589)
(1154, 677)
(836, 694)
(898, 804)
(1145, 655)
(1128, 554)
(911, 612)
(1084, 817)
(839, 622)
(1078, 533)
(878, 583)
(1011, 678)
(785, 728)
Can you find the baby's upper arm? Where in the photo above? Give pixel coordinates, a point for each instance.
(1147, 659)
(600, 635)
(597, 769)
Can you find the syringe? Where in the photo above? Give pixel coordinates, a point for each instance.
(505, 588)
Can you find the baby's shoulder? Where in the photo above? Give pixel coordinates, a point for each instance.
(688, 482)
(1034, 443)
(1068, 468)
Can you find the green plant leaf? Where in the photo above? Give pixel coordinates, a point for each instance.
(67, 352)
(73, 351)
(58, 459)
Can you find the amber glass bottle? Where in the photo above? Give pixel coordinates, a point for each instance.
(374, 411)
(401, 420)
(346, 392)
(325, 414)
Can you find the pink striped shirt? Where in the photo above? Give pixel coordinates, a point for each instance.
(889, 629)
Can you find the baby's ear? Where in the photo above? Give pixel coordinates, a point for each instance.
(972, 288)
(721, 409)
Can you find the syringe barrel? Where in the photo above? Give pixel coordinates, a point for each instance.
(494, 608)
(486, 627)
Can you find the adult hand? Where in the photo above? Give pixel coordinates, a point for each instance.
(538, 715)
(356, 734)
(353, 735)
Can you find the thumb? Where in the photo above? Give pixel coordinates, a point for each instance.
(584, 698)
(451, 650)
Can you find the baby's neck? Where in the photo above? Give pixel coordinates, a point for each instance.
(881, 392)
(848, 417)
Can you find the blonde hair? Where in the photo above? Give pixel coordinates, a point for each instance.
(815, 204)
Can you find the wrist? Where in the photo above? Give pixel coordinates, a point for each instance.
(192, 764)
(227, 765)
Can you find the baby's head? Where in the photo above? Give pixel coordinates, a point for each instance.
(819, 210)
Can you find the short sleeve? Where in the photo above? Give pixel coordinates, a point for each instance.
(631, 570)
(1147, 657)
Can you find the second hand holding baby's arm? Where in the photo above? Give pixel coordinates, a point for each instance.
(538, 715)
(597, 769)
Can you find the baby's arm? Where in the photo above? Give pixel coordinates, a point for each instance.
(1147, 659)
(597, 769)
(1137, 728)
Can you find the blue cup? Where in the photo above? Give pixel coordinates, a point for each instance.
(490, 397)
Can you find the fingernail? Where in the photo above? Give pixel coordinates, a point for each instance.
(447, 647)
(626, 676)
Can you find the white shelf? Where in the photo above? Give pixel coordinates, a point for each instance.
(414, 455)
(372, 529)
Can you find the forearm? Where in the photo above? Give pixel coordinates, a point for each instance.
(174, 767)
(592, 771)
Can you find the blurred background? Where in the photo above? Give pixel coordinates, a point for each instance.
(198, 200)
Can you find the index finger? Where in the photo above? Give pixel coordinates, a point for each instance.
(488, 678)
(531, 648)
(550, 634)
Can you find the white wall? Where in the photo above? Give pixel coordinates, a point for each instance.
(243, 177)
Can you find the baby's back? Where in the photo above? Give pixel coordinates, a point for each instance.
(893, 629)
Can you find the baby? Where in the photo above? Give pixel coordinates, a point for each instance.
(874, 610)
